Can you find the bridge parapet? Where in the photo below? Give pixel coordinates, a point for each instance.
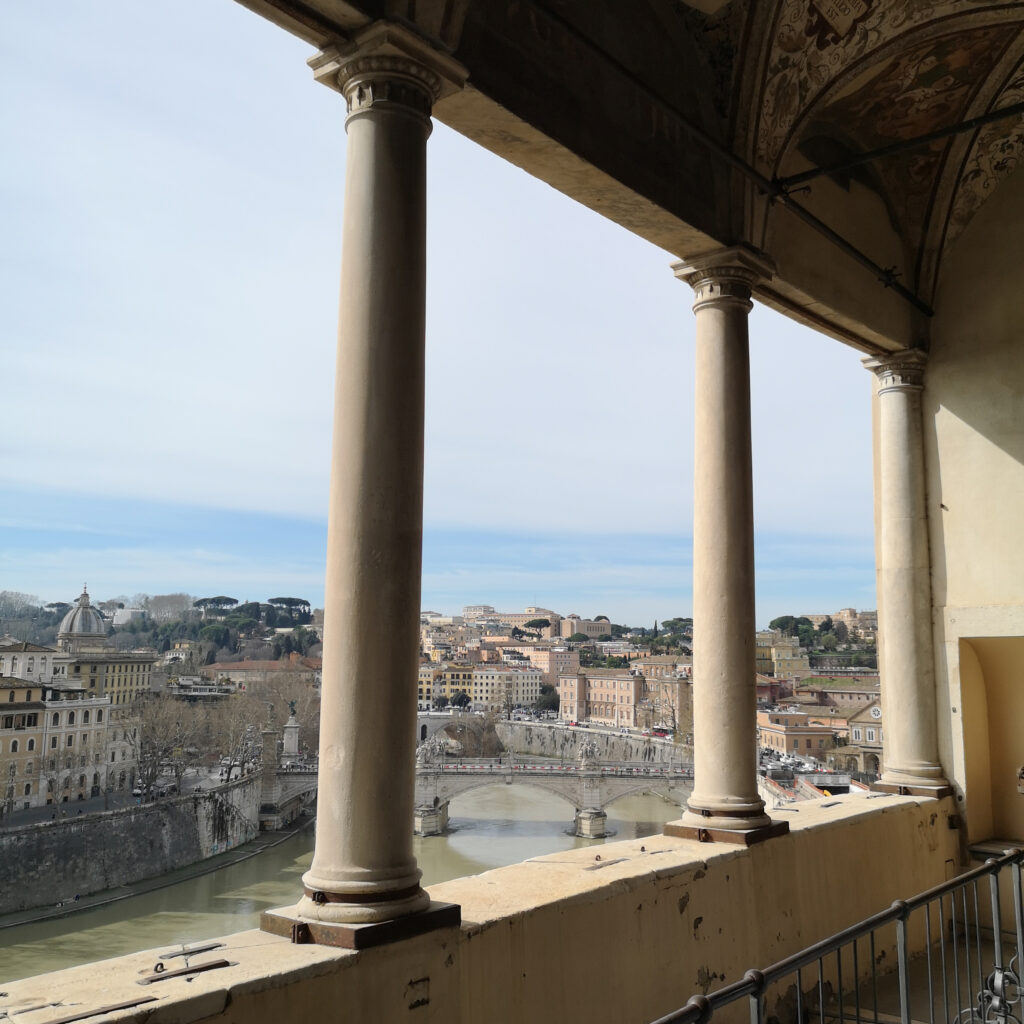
(590, 786)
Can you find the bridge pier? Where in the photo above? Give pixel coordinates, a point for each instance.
(591, 824)
(431, 820)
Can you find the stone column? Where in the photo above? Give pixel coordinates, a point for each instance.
(904, 580)
(725, 798)
(363, 867)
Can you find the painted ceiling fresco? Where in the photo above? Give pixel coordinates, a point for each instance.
(843, 77)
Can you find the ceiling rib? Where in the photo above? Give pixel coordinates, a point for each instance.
(899, 147)
(774, 190)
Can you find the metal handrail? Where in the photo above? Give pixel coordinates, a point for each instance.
(700, 1008)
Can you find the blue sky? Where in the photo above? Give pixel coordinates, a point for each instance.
(170, 205)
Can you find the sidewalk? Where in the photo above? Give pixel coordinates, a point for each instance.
(263, 841)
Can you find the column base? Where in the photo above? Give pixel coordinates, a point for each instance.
(739, 837)
(288, 922)
(936, 790)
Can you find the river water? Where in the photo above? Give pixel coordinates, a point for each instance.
(490, 827)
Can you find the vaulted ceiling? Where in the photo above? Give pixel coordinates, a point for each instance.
(785, 124)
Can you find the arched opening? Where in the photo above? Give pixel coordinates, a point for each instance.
(423, 733)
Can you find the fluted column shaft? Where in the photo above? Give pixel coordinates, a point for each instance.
(363, 866)
(724, 697)
(904, 578)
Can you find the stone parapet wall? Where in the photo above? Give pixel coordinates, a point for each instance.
(45, 863)
(542, 740)
(573, 937)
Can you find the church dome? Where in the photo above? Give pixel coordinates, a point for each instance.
(82, 620)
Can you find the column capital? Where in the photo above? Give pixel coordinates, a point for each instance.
(386, 63)
(898, 371)
(725, 276)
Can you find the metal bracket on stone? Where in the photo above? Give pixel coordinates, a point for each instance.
(160, 973)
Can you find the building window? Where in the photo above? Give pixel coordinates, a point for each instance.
(53, 742)
(71, 740)
(31, 744)
(99, 715)
(56, 719)
(10, 697)
(85, 717)
(71, 718)
(14, 746)
(856, 734)
(871, 735)
(28, 767)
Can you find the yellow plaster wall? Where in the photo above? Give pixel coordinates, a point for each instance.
(973, 409)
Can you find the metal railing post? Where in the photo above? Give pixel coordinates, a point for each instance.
(903, 949)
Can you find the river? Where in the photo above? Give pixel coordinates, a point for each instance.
(490, 827)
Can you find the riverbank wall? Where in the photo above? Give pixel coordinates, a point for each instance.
(52, 862)
(542, 740)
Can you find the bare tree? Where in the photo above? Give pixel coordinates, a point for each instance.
(164, 607)
(165, 736)
(236, 725)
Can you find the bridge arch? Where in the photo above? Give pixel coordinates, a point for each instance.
(539, 785)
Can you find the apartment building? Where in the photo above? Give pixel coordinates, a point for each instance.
(794, 732)
(53, 743)
(590, 628)
(604, 696)
(495, 687)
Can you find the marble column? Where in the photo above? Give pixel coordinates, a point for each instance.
(363, 868)
(725, 796)
(904, 578)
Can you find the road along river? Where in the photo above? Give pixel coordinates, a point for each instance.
(490, 827)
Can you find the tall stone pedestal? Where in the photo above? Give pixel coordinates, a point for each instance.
(431, 821)
(591, 824)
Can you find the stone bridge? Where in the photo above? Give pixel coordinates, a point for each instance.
(588, 785)
(284, 793)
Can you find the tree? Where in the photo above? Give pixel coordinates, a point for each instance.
(548, 699)
(516, 632)
(602, 618)
(216, 634)
(167, 607)
(842, 634)
(215, 605)
(537, 624)
(807, 635)
(236, 725)
(825, 626)
(783, 622)
(828, 641)
(165, 736)
(579, 638)
(440, 702)
(461, 699)
(297, 609)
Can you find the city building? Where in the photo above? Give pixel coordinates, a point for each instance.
(88, 659)
(551, 660)
(53, 743)
(779, 655)
(497, 688)
(794, 732)
(842, 690)
(590, 628)
(696, 125)
(605, 696)
(865, 750)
